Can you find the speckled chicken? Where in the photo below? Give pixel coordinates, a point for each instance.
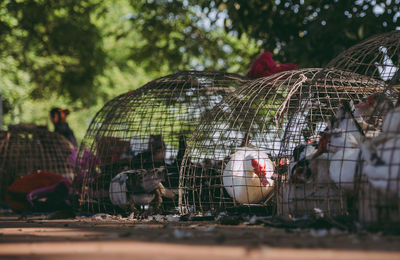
(135, 188)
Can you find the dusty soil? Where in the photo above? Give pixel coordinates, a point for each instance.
(107, 238)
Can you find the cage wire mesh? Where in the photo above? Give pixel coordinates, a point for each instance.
(378, 164)
(26, 148)
(242, 157)
(377, 57)
(130, 157)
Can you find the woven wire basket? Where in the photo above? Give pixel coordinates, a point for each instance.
(26, 148)
(240, 157)
(139, 138)
(377, 57)
(378, 166)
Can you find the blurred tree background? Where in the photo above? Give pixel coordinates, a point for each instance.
(79, 54)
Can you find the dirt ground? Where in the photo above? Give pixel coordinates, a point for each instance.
(106, 238)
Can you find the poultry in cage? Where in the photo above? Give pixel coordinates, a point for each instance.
(323, 173)
(279, 112)
(247, 177)
(380, 189)
(146, 129)
(348, 136)
(152, 157)
(148, 167)
(138, 188)
(376, 57)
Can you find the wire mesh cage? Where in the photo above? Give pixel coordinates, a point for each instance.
(130, 157)
(243, 156)
(26, 148)
(379, 168)
(377, 57)
(378, 173)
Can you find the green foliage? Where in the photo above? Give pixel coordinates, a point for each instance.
(79, 54)
(308, 32)
(56, 43)
(177, 35)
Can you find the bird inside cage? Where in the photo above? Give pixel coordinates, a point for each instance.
(321, 172)
(248, 175)
(334, 160)
(133, 189)
(148, 177)
(380, 187)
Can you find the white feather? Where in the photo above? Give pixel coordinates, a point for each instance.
(239, 179)
(341, 139)
(343, 166)
(391, 123)
(383, 175)
(117, 190)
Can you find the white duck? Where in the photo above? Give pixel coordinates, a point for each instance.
(248, 175)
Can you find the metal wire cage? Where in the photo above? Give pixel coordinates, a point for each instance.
(130, 157)
(25, 148)
(377, 57)
(379, 166)
(241, 155)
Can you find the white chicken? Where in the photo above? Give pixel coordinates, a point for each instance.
(382, 162)
(343, 167)
(382, 155)
(342, 147)
(319, 173)
(248, 175)
(391, 123)
(380, 189)
(309, 186)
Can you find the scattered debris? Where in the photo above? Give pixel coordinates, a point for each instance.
(180, 234)
(103, 216)
(207, 229)
(319, 232)
(230, 220)
(173, 218)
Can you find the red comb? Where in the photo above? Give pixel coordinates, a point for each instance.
(258, 169)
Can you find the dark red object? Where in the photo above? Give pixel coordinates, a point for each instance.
(265, 66)
(42, 191)
(260, 171)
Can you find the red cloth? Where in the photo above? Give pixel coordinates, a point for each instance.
(264, 66)
(20, 188)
